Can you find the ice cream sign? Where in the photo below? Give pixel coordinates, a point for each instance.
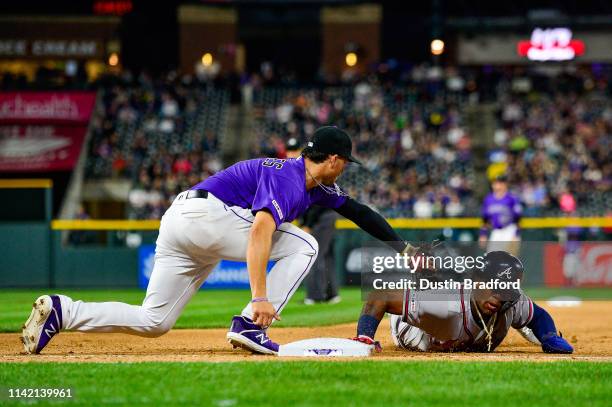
(550, 44)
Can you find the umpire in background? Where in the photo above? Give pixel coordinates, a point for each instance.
(321, 283)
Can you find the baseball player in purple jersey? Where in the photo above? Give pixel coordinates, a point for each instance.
(241, 213)
(475, 320)
(501, 212)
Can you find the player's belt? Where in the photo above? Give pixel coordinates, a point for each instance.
(197, 193)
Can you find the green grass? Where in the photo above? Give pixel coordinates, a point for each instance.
(213, 309)
(362, 383)
(304, 383)
(208, 309)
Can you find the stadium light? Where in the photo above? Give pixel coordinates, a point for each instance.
(351, 59)
(113, 59)
(207, 59)
(437, 47)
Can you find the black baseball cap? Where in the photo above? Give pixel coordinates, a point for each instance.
(332, 140)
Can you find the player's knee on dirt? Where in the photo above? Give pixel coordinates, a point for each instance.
(157, 330)
(157, 327)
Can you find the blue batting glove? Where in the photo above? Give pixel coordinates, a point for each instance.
(552, 343)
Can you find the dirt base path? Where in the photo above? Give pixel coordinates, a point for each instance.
(588, 327)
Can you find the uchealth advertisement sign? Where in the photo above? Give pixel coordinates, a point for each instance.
(43, 131)
(40, 148)
(46, 107)
(578, 264)
(227, 274)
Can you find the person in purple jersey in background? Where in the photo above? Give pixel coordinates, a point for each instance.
(241, 213)
(501, 213)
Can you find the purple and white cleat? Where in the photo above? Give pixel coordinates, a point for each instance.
(247, 335)
(44, 323)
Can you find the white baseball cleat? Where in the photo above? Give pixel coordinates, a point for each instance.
(44, 323)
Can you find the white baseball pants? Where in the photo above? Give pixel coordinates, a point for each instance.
(505, 234)
(504, 239)
(407, 336)
(195, 234)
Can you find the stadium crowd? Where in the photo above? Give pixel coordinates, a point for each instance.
(556, 148)
(416, 153)
(163, 135)
(552, 135)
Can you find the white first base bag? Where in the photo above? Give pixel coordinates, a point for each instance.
(325, 347)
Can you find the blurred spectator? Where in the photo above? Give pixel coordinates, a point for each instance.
(408, 148)
(163, 134)
(567, 203)
(553, 134)
(81, 237)
(423, 208)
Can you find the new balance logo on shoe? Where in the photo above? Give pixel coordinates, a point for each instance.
(50, 332)
(262, 338)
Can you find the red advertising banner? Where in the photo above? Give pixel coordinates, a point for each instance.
(46, 107)
(40, 148)
(578, 264)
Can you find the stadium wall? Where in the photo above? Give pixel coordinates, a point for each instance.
(33, 254)
(25, 254)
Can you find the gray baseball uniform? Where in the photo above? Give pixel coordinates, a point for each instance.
(439, 321)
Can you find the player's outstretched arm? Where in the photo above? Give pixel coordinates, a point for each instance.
(258, 254)
(373, 311)
(544, 329)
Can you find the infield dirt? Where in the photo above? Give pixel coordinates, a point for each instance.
(588, 327)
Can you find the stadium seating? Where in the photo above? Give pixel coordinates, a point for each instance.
(413, 166)
(164, 136)
(551, 136)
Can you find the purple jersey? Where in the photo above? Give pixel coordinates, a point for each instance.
(501, 212)
(276, 185)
